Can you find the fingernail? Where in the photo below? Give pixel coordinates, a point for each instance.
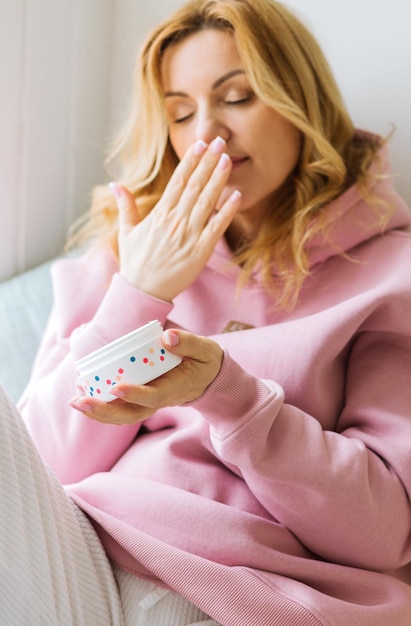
(235, 196)
(118, 392)
(115, 189)
(81, 405)
(199, 147)
(170, 338)
(224, 161)
(217, 145)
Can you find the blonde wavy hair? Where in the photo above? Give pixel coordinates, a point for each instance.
(287, 71)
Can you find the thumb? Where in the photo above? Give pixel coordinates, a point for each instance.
(128, 215)
(191, 346)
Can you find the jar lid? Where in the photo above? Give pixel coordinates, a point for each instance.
(119, 346)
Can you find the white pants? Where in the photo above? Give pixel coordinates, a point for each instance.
(53, 569)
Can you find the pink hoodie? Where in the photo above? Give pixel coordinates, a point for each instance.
(282, 495)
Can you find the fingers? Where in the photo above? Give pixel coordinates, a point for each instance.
(202, 172)
(194, 188)
(127, 211)
(217, 226)
(116, 412)
(188, 345)
(200, 198)
(182, 173)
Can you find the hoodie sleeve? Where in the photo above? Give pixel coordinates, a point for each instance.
(92, 306)
(345, 493)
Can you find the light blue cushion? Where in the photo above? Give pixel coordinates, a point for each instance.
(25, 303)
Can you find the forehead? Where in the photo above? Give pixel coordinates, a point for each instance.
(201, 57)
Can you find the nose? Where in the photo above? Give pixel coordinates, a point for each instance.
(209, 125)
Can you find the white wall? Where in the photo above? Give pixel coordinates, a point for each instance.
(368, 44)
(66, 67)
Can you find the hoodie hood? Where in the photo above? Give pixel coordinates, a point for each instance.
(353, 220)
(350, 221)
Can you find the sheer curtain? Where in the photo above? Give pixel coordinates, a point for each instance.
(55, 68)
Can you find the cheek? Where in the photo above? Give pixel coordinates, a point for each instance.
(294, 142)
(289, 142)
(277, 134)
(180, 142)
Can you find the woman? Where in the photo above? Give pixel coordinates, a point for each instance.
(265, 480)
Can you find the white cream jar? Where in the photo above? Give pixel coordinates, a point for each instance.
(136, 358)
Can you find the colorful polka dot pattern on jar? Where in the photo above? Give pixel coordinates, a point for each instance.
(99, 384)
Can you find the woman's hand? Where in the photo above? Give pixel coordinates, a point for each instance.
(165, 252)
(201, 363)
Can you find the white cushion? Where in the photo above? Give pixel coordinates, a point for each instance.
(25, 303)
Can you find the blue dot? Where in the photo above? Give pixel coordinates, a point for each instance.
(97, 378)
(91, 389)
(132, 359)
(163, 351)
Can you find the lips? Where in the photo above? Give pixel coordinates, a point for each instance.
(238, 161)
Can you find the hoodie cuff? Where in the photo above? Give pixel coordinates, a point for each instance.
(234, 398)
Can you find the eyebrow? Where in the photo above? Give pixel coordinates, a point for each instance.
(215, 85)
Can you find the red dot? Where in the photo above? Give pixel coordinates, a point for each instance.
(108, 382)
(161, 358)
(121, 371)
(98, 390)
(145, 360)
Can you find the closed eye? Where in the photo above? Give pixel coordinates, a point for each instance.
(243, 100)
(180, 120)
(230, 102)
